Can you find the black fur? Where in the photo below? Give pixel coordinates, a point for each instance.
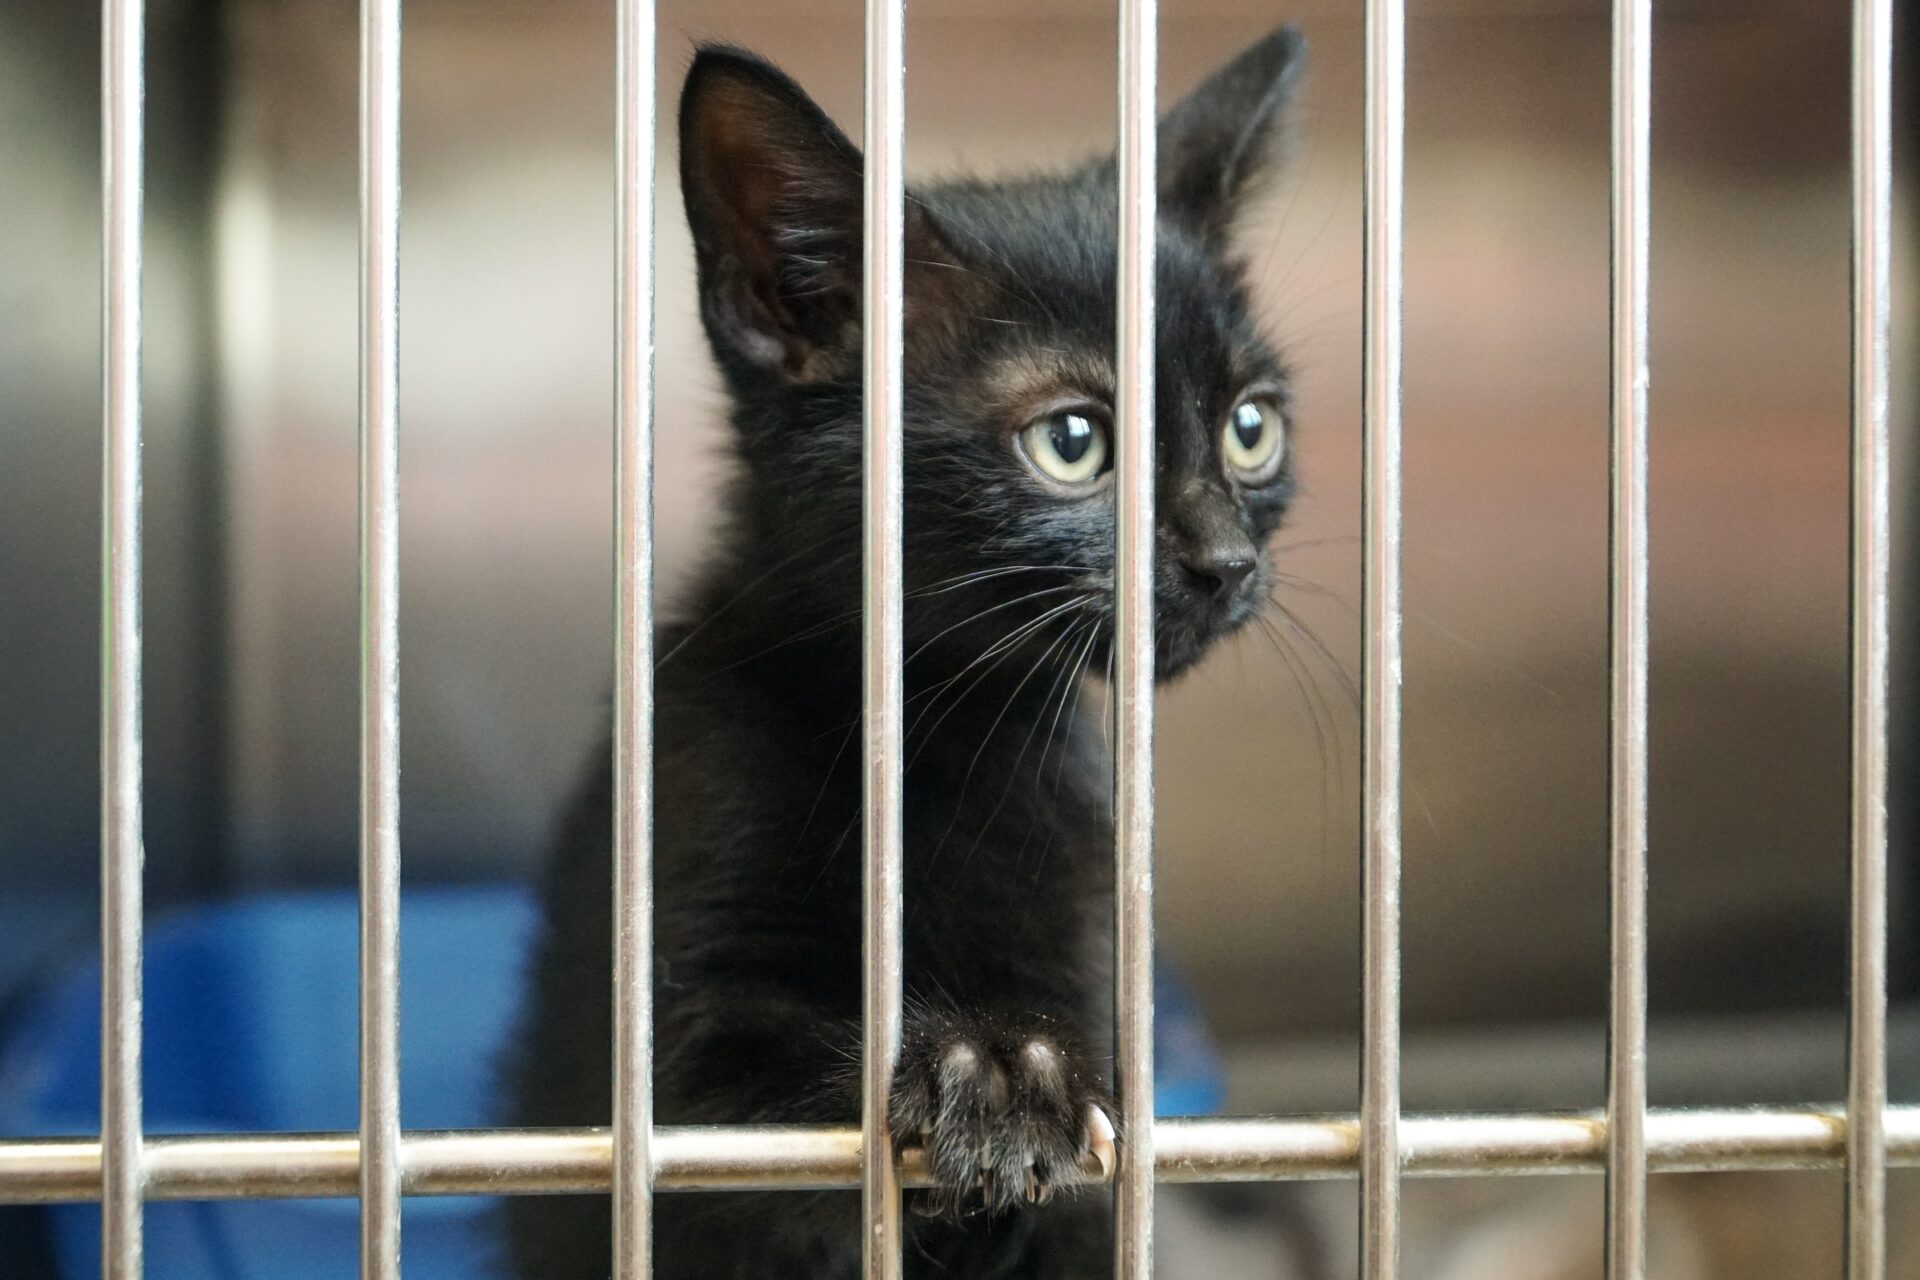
(1010, 311)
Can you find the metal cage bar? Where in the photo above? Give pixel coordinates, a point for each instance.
(1133, 641)
(883, 280)
(1385, 160)
(379, 640)
(122, 158)
(579, 1161)
(1626, 1194)
(1871, 548)
(633, 643)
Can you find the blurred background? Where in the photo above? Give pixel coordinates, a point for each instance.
(506, 274)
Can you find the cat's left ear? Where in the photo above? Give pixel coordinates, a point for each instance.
(1224, 139)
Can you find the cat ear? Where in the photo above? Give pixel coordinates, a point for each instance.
(775, 196)
(1224, 138)
(772, 190)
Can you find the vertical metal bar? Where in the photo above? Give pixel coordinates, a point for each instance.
(379, 639)
(1626, 1202)
(633, 647)
(1381, 658)
(122, 156)
(1871, 542)
(1134, 655)
(884, 282)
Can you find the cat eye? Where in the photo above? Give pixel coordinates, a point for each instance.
(1254, 440)
(1068, 447)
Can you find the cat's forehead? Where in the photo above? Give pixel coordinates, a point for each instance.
(1046, 250)
(1057, 226)
(1040, 328)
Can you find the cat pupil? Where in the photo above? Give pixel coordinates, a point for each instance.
(1072, 437)
(1248, 423)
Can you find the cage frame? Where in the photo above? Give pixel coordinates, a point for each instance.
(380, 1163)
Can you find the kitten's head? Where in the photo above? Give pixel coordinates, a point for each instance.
(1010, 333)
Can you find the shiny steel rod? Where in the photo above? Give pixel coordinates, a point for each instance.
(633, 644)
(1871, 548)
(122, 156)
(883, 283)
(1626, 1198)
(1133, 653)
(379, 639)
(579, 1161)
(1380, 640)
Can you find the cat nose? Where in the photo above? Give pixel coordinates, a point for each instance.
(1217, 571)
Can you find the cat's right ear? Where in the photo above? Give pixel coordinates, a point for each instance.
(773, 195)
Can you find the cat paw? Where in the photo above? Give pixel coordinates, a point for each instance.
(1005, 1118)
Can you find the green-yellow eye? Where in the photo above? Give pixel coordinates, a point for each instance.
(1068, 447)
(1254, 441)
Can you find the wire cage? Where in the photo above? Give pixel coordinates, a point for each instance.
(380, 1162)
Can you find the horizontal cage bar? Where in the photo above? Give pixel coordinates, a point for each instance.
(777, 1158)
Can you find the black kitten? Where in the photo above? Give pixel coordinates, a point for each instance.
(1010, 546)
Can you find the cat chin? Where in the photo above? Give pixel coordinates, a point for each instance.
(1179, 644)
(1177, 655)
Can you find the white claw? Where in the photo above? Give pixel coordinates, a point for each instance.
(1100, 1138)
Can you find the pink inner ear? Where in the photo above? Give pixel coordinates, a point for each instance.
(740, 173)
